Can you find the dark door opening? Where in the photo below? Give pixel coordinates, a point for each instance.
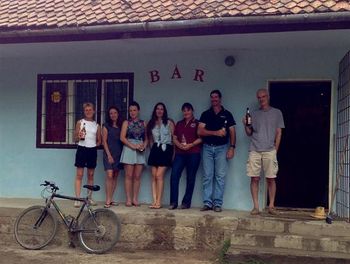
(303, 157)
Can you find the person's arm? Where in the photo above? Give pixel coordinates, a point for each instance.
(145, 142)
(231, 150)
(172, 129)
(123, 136)
(177, 142)
(194, 143)
(77, 131)
(278, 138)
(98, 136)
(105, 145)
(248, 129)
(203, 132)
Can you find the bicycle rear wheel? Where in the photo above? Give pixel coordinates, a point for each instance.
(100, 231)
(35, 227)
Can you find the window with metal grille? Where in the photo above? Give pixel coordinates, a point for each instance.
(61, 98)
(342, 181)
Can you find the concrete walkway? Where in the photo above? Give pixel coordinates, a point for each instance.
(290, 233)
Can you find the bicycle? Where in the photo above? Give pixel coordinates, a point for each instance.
(97, 232)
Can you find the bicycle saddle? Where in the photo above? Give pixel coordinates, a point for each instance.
(92, 187)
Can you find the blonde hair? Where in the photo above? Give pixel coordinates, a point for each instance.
(85, 105)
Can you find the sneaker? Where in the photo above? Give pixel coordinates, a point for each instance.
(77, 204)
(172, 207)
(184, 206)
(206, 208)
(92, 202)
(217, 209)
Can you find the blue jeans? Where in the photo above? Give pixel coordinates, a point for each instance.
(191, 162)
(215, 168)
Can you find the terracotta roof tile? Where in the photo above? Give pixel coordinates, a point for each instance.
(69, 13)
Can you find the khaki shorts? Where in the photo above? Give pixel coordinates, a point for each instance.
(262, 160)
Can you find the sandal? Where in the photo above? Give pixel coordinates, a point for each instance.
(128, 204)
(136, 204)
(255, 211)
(272, 211)
(107, 205)
(158, 206)
(114, 203)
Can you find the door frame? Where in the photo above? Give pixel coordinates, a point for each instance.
(332, 135)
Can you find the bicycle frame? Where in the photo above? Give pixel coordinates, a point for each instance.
(68, 224)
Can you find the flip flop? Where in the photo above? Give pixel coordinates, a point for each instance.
(107, 205)
(128, 204)
(136, 204)
(114, 203)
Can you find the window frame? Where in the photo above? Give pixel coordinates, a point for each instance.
(99, 77)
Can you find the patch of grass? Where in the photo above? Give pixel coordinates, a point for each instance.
(222, 257)
(222, 253)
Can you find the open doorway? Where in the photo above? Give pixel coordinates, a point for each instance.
(302, 180)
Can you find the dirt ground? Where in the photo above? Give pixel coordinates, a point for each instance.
(17, 255)
(269, 259)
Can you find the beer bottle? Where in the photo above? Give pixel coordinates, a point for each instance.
(248, 118)
(83, 132)
(183, 140)
(225, 124)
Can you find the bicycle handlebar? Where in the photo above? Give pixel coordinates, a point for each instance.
(53, 186)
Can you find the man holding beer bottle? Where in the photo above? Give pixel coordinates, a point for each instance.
(265, 131)
(216, 127)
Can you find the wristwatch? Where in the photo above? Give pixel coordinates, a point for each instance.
(233, 146)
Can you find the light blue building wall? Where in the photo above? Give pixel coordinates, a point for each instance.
(258, 59)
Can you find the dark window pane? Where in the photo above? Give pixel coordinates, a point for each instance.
(56, 98)
(85, 92)
(116, 95)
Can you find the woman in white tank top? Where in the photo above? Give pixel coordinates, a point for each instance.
(88, 135)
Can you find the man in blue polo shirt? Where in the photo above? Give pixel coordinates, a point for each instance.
(216, 127)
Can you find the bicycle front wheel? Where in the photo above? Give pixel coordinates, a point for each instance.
(100, 231)
(35, 227)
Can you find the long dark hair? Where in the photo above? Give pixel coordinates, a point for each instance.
(108, 118)
(152, 122)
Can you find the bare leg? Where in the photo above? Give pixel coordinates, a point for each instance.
(271, 183)
(137, 182)
(90, 180)
(129, 171)
(115, 178)
(78, 179)
(109, 186)
(160, 185)
(154, 185)
(254, 189)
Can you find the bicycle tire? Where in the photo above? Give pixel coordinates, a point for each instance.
(102, 238)
(35, 238)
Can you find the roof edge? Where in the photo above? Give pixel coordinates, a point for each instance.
(204, 26)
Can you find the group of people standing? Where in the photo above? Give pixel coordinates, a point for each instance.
(178, 146)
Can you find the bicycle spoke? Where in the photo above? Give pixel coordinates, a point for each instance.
(33, 229)
(106, 231)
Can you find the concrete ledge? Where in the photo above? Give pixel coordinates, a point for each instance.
(143, 228)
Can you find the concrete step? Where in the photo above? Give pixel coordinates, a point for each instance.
(311, 243)
(306, 227)
(282, 255)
